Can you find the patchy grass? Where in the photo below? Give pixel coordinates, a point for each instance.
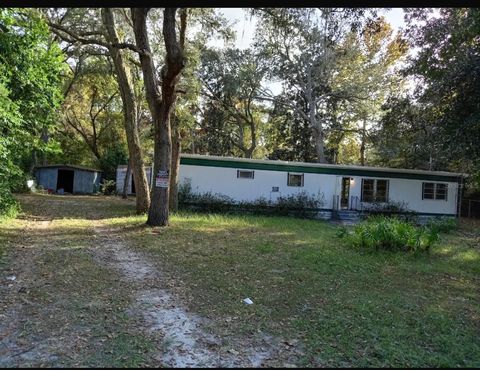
(348, 308)
(342, 306)
(75, 308)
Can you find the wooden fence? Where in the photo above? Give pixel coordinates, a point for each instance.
(470, 208)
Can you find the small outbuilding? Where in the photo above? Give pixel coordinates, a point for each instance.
(68, 178)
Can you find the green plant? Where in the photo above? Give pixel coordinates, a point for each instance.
(391, 234)
(393, 209)
(301, 204)
(108, 187)
(8, 205)
(442, 225)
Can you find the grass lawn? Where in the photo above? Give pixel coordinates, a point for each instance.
(343, 307)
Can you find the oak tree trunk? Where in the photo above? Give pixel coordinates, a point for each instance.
(319, 146)
(160, 105)
(130, 114)
(362, 146)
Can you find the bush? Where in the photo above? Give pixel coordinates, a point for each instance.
(8, 205)
(391, 234)
(393, 209)
(108, 187)
(442, 225)
(301, 204)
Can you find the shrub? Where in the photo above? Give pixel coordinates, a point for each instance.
(391, 234)
(8, 205)
(393, 209)
(442, 225)
(301, 204)
(108, 187)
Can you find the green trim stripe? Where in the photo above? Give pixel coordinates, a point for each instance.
(228, 163)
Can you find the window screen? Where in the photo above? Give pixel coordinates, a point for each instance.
(432, 190)
(368, 190)
(381, 194)
(441, 192)
(295, 179)
(242, 174)
(428, 190)
(375, 190)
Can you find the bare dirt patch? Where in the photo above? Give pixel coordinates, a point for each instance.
(83, 297)
(183, 336)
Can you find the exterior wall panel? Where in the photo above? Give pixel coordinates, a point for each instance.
(120, 178)
(47, 177)
(84, 182)
(220, 176)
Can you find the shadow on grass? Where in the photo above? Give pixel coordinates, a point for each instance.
(88, 207)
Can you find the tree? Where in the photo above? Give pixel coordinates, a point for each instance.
(96, 31)
(233, 80)
(161, 102)
(447, 67)
(336, 67)
(30, 92)
(366, 67)
(92, 109)
(301, 44)
(404, 137)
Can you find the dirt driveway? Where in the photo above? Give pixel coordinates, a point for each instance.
(73, 293)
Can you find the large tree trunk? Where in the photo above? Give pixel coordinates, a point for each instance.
(175, 167)
(319, 145)
(130, 114)
(160, 106)
(362, 146)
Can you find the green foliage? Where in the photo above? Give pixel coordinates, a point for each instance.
(233, 116)
(442, 225)
(114, 155)
(392, 209)
(8, 205)
(447, 68)
(301, 204)
(108, 187)
(391, 234)
(210, 202)
(30, 68)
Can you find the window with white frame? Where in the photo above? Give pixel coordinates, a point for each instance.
(375, 190)
(433, 190)
(245, 174)
(295, 179)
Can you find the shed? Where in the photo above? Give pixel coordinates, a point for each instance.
(72, 179)
(120, 180)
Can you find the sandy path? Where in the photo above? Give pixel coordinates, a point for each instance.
(185, 342)
(181, 338)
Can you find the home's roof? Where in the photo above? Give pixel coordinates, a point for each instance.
(277, 165)
(69, 166)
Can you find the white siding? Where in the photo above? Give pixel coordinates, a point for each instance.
(225, 181)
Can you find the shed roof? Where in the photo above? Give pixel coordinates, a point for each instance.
(75, 167)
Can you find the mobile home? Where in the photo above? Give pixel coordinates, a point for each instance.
(342, 187)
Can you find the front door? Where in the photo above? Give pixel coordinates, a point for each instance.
(345, 193)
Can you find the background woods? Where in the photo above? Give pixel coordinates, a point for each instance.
(107, 87)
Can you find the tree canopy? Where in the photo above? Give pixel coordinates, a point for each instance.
(110, 86)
